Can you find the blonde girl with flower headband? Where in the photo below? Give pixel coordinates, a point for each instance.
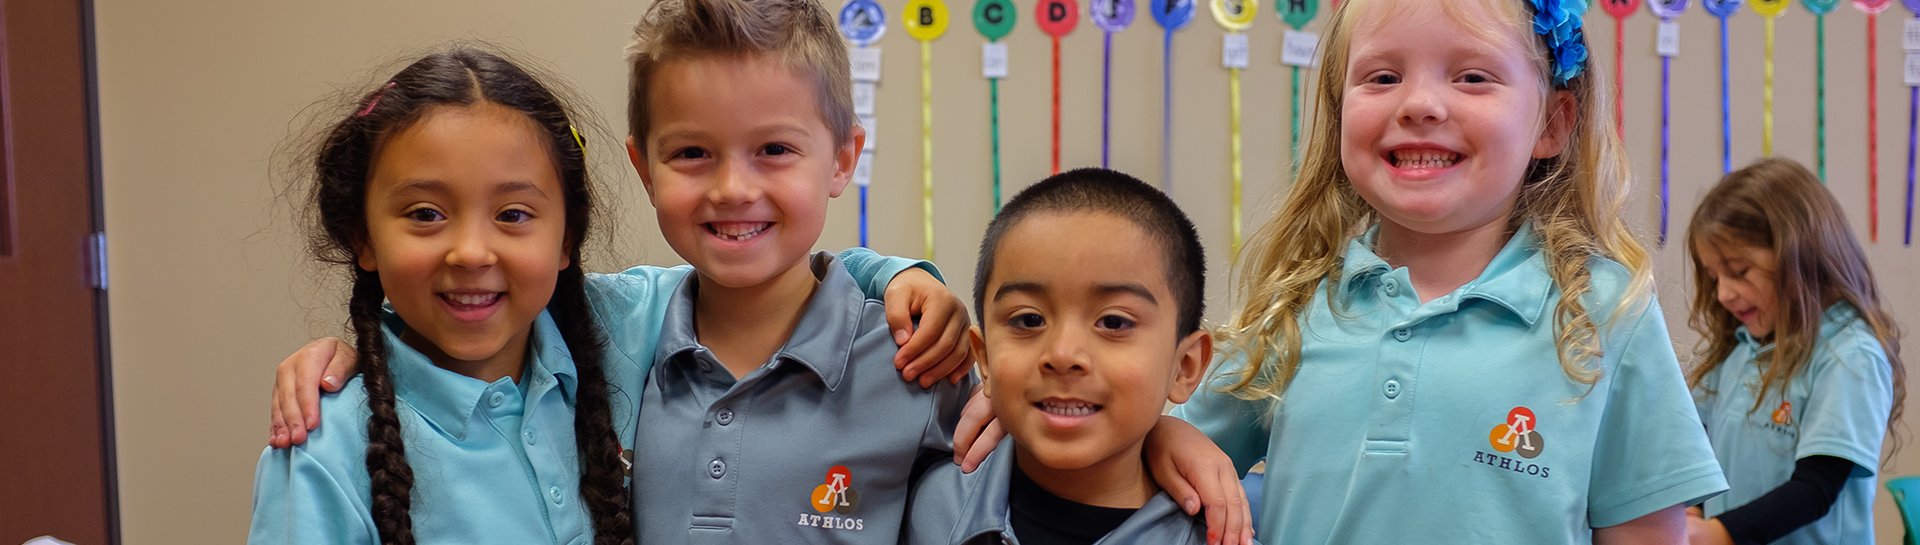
(1447, 332)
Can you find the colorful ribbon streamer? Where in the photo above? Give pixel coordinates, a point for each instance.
(926, 20)
(1620, 10)
(863, 22)
(1723, 9)
(994, 19)
(1820, 9)
(1296, 14)
(1234, 16)
(1666, 10)
(1171, 15)
(1057, 18)
(1913, 139)
(1873, 8)
(1111, 16)
(1769, 10)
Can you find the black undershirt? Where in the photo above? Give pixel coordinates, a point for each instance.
(1041, 518)
(1803, 499)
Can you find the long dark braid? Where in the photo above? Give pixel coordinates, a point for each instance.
(391, 476)
(342, 165)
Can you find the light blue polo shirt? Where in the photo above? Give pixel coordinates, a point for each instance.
(1836, 406)
(631, 305)
(1452, 421)
(318, 492)
(490, 464)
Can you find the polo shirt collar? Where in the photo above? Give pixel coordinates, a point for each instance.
(1836, 318)
(447, 399)
(985, 510)
(823, 340)
(1516, 279)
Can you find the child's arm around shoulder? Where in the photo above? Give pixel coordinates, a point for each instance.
(316, 492)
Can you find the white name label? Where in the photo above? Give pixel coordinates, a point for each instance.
(1299, 48)
(863, 98)
(865, 63)
(863, 172)
(1912, 35)
(870, 124)
(1667, 43)
(1913, 69)
(1233, 50)
(993, 60)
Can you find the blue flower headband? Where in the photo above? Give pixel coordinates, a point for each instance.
(1559, 22)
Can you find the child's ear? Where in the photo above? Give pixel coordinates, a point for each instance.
(979, 345)
(1196, 351)
(639, 161)
(1562, 111)
(363, 255)
(847, 158)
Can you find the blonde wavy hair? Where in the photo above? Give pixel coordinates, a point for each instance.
(1573, 200)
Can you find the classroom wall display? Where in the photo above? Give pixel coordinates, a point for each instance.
(994, 19)
(1172, 15)
(1235, 16)
(926, 20)
(1667, 46)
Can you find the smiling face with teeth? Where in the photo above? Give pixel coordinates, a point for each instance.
(1439, 120)
(739, 164)
(466, 226)
(1079, 347)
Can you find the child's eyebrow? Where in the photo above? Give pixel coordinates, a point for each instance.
(1125, 288)
(1009, 288)
(518, 187)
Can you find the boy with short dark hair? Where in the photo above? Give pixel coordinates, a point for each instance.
(1089, 298)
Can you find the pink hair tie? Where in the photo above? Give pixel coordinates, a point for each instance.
(375, 101)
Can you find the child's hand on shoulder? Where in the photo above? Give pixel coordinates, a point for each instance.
(322, 363)
(937, 346)
(1197, 474)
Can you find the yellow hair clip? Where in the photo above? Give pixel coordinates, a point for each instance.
(582, 142)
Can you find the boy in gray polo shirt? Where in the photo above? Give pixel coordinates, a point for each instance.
(1089, 296)
(772, 413)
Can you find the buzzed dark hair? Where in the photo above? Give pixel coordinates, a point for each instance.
(1102, 190)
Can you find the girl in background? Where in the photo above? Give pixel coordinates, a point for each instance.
(1800, 374)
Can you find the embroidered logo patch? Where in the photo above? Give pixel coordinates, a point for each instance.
(835, 496)
(1784, 415)
(1518, 435)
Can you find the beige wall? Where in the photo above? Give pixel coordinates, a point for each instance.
(210, 287)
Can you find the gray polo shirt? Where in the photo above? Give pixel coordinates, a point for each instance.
(954, 508)
(818, 445)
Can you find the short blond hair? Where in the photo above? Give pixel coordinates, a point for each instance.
(799, 33)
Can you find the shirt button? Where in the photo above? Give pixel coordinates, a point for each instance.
(496, 399)
(1402, 335)
(717, 468)
(554, 492)
(705, 366)
(1391, 388)
(528, 434)
(1392, 287)
(725, 417)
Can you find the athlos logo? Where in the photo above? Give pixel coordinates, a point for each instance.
(1784, 415)
(835, 495)
(1518, 435)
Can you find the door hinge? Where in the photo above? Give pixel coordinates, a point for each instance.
(97, 260)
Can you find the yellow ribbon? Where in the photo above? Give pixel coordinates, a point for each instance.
(1766, 92)
(926, 143)
(1233, 128)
